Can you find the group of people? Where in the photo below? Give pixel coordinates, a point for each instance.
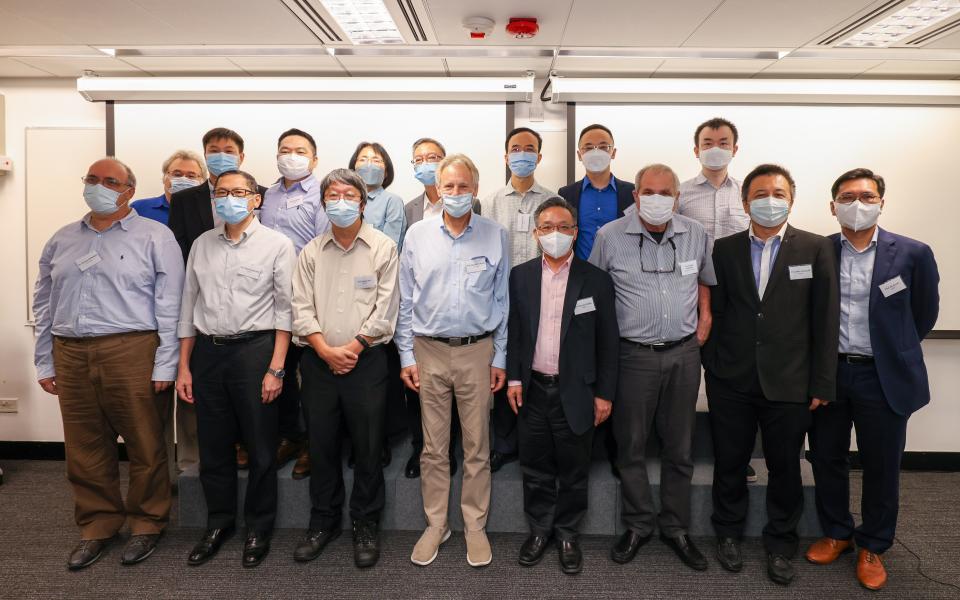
(312, 299)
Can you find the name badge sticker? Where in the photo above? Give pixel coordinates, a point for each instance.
(584, 305)
(294, 202)
(523, 222)
(688, 267)
(892, 286)
(364, 282)
(87, 261)
(801, 272)
(477, 265)
(250, 272)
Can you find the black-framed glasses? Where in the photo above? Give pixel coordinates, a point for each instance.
(110, 182)
(658, 269)
(238, 192)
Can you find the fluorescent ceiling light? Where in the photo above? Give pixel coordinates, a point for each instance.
(665, 53)
(906, 22)
(364, 21)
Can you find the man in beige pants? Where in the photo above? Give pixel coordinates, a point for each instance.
(452, 334)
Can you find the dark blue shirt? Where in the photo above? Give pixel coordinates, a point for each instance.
(157, 208)
(597, 208)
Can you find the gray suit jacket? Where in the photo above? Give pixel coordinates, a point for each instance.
(413, 210)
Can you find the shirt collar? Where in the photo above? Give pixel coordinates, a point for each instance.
(873, 242)
(374, 194)
(124, 222)
(674, 226)
(778, 235)
(468, 229)
(364, 234)
(613, 183)
(563, 267)
(305, 184)
(536, 188)
(159, 202)
(701, 179)
(250, 230)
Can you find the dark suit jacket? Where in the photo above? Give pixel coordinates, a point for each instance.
(190, 215)
(571, 193)
(900, 321)
(413, 210)
(589, 342)
(790, 338)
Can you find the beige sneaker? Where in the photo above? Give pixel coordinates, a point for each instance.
(478, 548)
(428, 545)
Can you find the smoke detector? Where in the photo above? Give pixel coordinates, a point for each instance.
(522, 27)
(479, 27)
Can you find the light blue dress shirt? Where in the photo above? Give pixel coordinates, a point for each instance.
(384, 211)
(756, 254)
(856, 275)
(454, 286)
(123, 279)
(296, 212)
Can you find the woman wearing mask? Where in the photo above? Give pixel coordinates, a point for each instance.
(384, 210)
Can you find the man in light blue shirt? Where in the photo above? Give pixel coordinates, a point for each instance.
(856, 275)
(452, 331)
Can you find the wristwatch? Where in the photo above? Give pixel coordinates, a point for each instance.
(278, 373)
(363, 342)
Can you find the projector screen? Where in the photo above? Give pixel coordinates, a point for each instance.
(910, 146)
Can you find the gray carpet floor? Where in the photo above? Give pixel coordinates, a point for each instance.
(37, 532)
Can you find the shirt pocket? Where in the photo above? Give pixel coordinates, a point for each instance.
(250, 281)
(365, 289)
(479, 272)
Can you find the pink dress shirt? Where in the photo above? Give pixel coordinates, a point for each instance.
(553, 288)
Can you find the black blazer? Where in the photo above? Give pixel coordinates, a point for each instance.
(589, 342)
(790, 338)
(190, 215)
(571, 193)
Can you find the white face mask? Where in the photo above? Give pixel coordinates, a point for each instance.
(656, 209)
(293, 166)
(596, 160)
(857, 215)
(556, 244)
(715, 158)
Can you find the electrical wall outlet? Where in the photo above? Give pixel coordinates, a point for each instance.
(8, 405)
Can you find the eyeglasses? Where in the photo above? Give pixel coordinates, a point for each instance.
(588, 147)
(430, 158)
(866, 198)
(187, 174)
(238, 192)
(523, 149)
(545, 229)
(375, 160)
(337, 197)
(110, 182)
(658, 270)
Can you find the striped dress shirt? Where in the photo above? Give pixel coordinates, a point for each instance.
(719, 210)
(514, 211)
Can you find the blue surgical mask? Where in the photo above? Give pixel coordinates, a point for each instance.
(426, 173)
(221, 162)
(769, 212)
(457, 206)
(343, 213)
(101, 200)
(232, 209)
(522, 164)
(178, 184)
(371, 174)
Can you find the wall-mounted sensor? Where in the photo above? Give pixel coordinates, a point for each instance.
(479, 27)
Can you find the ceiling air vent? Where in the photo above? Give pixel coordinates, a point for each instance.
(934, 34)
(858, 23)
(313, 20)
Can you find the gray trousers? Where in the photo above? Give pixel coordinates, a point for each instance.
(656, 390)
(180, 434)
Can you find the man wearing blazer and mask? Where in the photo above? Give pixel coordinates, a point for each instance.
(770, 361)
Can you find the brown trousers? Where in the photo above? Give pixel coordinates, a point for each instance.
(105, 390)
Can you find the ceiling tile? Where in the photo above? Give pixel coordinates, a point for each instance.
(500, 66)
(700, 67)
(17, 28)
(74, 66)
(583, 66)
(914, 69)
(271, 65)
(947, 42)
(811, 67)
(176, 65)
(376, 65)
(647, 23)
(447, 19)
(10, 67)
(100, 23)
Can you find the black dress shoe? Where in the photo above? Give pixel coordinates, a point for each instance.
(139, 548)
(683, 546)
(571, 559)
(209, 545)
(728, 554)
(779, 569)
(531, 552)
(255, 549)
(412, 470)
(498, 459)
(626, 547)
(366, 544)
(314, 542)
(86, 553)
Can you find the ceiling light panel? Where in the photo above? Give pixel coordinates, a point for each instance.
(902, 24)
(364, 21)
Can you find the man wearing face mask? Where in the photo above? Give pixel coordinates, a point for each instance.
(562, 349)
(293, 207)
(452, 336)
(105, 306)
(770, 362)
(658, 261)
(889, 302)
(183, 170)
(513, 207)
(345, 308)
(192, 210)
(234, 329)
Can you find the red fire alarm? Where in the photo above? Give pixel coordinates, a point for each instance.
(522, 27)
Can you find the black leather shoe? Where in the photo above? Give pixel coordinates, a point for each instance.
(779, 569)
(497, 460)
(209, 545)
(412, 470)
(86, 553)
(366, 544)
(751, 475)
(139, 548)
(531, 552)
(683, 546)
(314, 542)
(626, 547)
(571, 559)
(728, 554)
(255, 549)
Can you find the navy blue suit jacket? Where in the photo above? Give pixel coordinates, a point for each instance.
(899, 322)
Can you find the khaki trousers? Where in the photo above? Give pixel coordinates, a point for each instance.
(462, 372)
(105, 390)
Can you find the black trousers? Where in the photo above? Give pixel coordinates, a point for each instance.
(881, 436)
(227, 383)
(288, 403)
(357, 399)
(504, 424)
(555, 464)
(734, 417)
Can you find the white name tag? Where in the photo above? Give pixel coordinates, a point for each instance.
(250, 272)
(476, 266)
(87, 261)
(584, 305)
(294, 202)
(688, 267)
(365, 282)
(892, 286)
(523, 222)
(801, 272)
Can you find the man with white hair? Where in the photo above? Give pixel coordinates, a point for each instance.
(182, 170)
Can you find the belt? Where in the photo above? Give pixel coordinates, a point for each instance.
(659, 346)
(855, 359)
(237, 338)
(100, 338)
(545, 379)
(460, 341)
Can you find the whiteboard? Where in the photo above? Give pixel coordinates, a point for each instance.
(54, 196)
(912, 147)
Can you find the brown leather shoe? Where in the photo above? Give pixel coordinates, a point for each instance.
(301, 468)
(243, 460)
(826, 550)
(870, 571)
(287, 451)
